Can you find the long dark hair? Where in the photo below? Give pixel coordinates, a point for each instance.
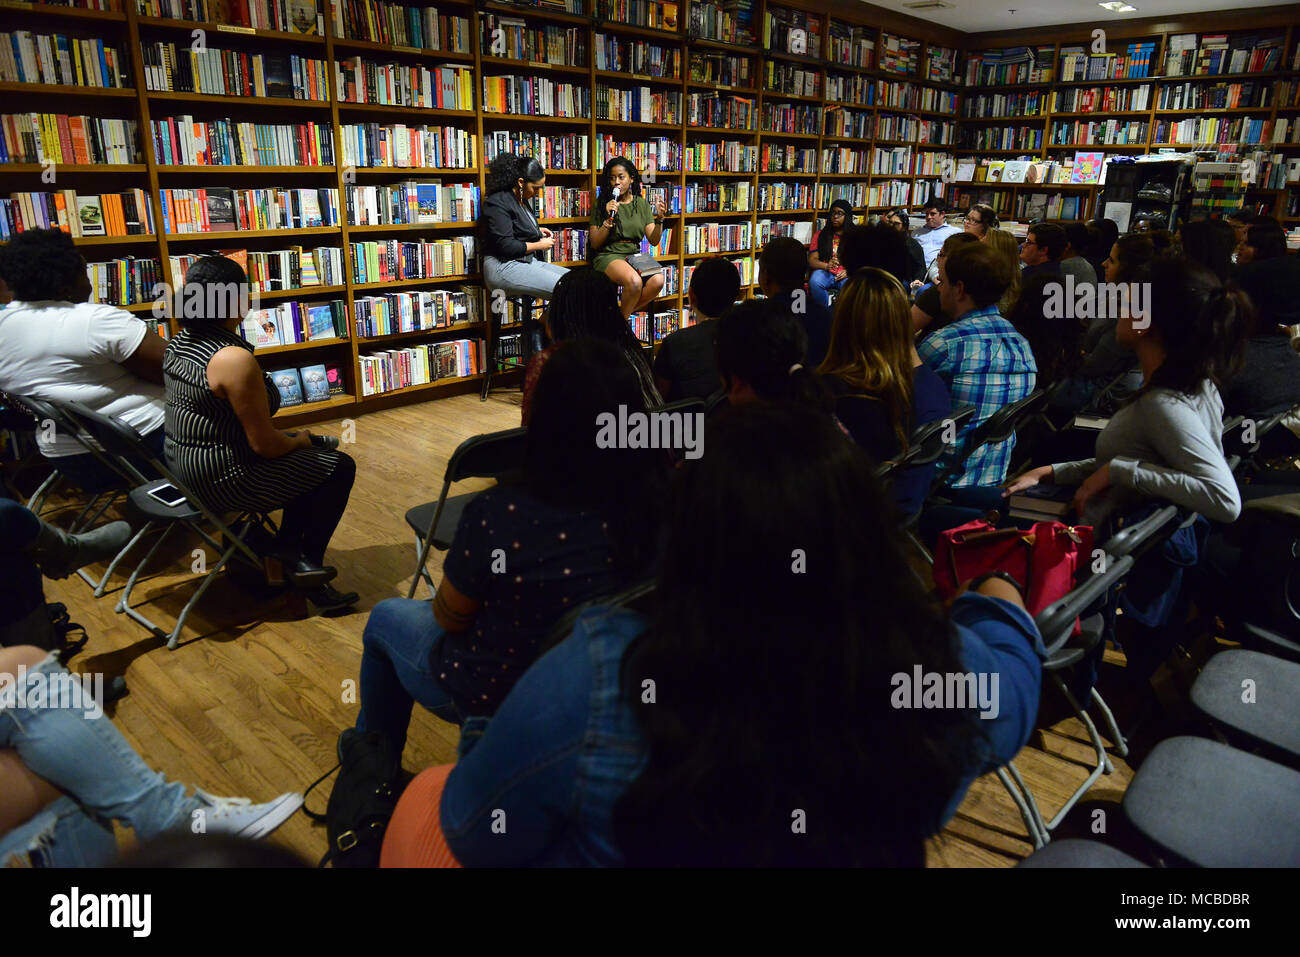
(1211, 243)
(775, 710)
(584, 305)
(1199, 321)
(604, 193)
(582, 379)
(1057, 343)
(1135, 251)
(826, 232)
(507, 169)
(760, 343)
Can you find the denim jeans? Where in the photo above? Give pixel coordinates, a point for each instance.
(396, 646)
(821, 284)
(520, 278)
(103, 776)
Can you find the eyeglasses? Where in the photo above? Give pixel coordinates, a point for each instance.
(973, 220)
(1028, 242)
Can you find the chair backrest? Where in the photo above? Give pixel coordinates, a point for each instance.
(1002, 424)
(928, 442)
(65, 421)
(119, 440)
(492, 455)
(1056, 621)
(1140, 537)
(630, 597)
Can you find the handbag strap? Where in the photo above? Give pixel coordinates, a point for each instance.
(311, 787)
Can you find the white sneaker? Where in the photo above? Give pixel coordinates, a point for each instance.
(242, 818)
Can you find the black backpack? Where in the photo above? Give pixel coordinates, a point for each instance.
(362, 802)
(48, 627)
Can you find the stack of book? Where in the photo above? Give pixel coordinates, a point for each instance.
(38, 137)
(127, 213)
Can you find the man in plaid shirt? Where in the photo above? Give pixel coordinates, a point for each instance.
(980, 357)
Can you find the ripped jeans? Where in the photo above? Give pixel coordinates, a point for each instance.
(103, 777)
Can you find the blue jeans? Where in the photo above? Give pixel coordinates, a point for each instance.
(400, 637)
(519, 278)
(821, 284)
(103, 776)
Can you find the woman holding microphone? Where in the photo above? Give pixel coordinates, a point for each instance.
(620, 218)
(511, 236)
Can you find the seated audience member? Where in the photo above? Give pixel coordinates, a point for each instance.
(67, 774)
(1042, 250)
(879, 246)
(1165, 442)
(899, 220)
(575, 526)
(1005, 245)
(585, 305)
(980, 357)
(686, 365)
(761, 356)
(1056, 341)
(29, 548)
(927, 309)
(1272, 282)
(1268, 381)
(882, 389)
(1165, 242)
(1241, 221)
(1105, 357)
(1210, 242)
(224, 445)
(699, 777)
(980, 218)
(934, 232)
(1107, 231)
(824, 259)
(780, 278)
(1073, 262)
(1265, 239)
(55, 345)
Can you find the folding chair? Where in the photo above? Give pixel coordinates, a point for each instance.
(495, 455)
(998, 427)
(927, 443)
(1268, 718)
(1073, 852)
(124, 444)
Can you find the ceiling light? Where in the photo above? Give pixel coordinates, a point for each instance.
(1117, 6)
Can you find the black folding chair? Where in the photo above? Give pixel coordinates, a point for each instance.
(997, 428)
(928, 443)
(148, 499)
(1253, 701)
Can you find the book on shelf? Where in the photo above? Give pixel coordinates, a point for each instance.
(55, 59)
(63, 138)
(178, 68)
(286, 16)
(400, 25)
(127, 213)
(334, 379)
(190, 210)
(125, 281)
(315, 383)
(289, 384)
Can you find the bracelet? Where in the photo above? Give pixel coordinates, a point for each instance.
(997, 573)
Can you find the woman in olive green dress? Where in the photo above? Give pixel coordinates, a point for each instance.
(617, 227)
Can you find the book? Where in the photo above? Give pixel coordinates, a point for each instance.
(289, 386)
(1087, 167)
(1093, 423)
(221, 209)
(90, 213)
(315, 383)
(334, 376)
(1014, 171)
(320, 323)
(261, 329)
(302, 16)
(1049, 500)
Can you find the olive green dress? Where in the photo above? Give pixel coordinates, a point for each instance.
(629, 229)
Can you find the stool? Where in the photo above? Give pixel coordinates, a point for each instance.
(525, 307)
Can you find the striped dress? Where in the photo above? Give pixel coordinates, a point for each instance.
(206, 443)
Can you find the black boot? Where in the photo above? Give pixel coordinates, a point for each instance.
(59, 554)
(327, 598)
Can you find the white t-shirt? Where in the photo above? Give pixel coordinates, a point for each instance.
(72, 352)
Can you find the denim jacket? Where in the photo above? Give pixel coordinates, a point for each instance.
(539, 788)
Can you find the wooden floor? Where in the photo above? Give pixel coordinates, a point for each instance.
(252, 701)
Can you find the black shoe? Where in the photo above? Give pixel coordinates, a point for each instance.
(305, 574)
(327, 598)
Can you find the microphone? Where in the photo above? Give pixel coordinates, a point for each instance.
(616, 191)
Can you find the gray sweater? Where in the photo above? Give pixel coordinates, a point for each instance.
(1164, 445)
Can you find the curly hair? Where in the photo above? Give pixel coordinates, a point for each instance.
(42, 264)
(506, 169)
(606, 193)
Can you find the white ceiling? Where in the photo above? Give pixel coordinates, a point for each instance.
(981, 16)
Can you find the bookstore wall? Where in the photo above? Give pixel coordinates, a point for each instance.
(337, 148)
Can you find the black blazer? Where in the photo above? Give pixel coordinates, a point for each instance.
(504, 227)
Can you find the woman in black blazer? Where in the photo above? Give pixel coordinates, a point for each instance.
(511, 236)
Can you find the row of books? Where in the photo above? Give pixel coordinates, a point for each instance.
(1010, 65)
(899, 55)
(570, 245)
(784, 196)
(744, 265)
(645, 13)
(289, 323)
(791, 79)
(417, 365)
(850, 88)
(314, 383)
(535, 96)
(415, 311)
(1208, 130)
(942, 66)
(650, 157)
(792, 118)
(640, 104)
(63, 138)
(180, 68)
(223, 209)
(724, 69)
(1134, 63)
(721, 112)
(730, 156)
(515, 39)
(399, 25)
(557, 201)
(850, 45)
(1030, 207)
(980, 105)
(855, 124)
(792, 31)
(277, 270)
(396, 259)
(1084, 168)
(1275, 170)
(552, 150)
(845, 160)
(716, 198)
(181, 141)
(125, 281)
(792, 158)
(930, 163)
(639, 57)
(910, 96)
(1028, 138)
(127, 213)
(1220, 96)
(27, 57)
(889, 193)
(665, 323)
(1107, 99)
(410, 202)
(768, 229)
(400, 146)
(854, 193)
(1216, 54)
(891, 161)
(1099, 132)
(288, 16)
(403, 84)
(731, 21)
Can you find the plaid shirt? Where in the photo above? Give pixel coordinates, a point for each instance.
(987, 364)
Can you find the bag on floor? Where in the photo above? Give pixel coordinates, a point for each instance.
(362, 802)
(48, 627)
(1045, 560)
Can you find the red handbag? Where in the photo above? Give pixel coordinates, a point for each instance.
(1045, 559)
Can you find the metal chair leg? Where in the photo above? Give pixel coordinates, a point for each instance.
(37, 501)
(124, 602)
(112, 566)
(1036, 836)
(1116, 735)
(198, 593)
(1104, 765)
(421, 556)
